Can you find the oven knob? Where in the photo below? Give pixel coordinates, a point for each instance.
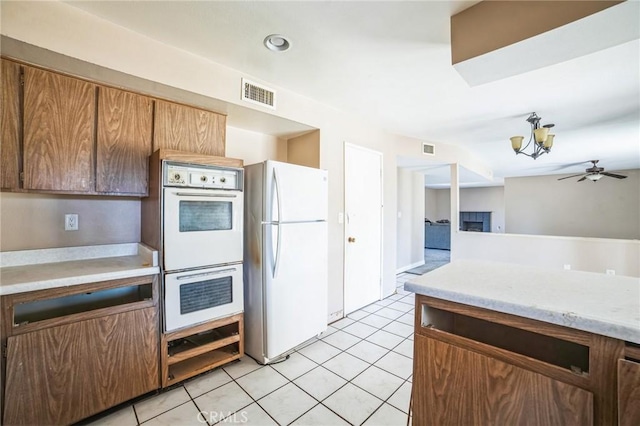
(177, 177)
(223, 180)
(203, 178)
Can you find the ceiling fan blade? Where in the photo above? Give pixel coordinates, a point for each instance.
(572, 176)
(566, 166)
(582, 178)
(613, 175)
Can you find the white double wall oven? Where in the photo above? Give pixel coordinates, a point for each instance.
(202, 240)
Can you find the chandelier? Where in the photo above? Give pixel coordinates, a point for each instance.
(543, 141)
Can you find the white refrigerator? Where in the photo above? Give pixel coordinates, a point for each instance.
(285, 257)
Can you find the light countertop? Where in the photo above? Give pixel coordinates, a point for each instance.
(29, 270)
(603, 304)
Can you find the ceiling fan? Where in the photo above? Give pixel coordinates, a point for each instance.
(594, 173)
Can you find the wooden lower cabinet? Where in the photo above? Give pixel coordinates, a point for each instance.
(64, 365)
(460, 387)
(474, 366)
(629, 392)
(63, 374)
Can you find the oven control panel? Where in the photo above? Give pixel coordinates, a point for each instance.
(213, 177)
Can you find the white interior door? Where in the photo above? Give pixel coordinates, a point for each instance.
(363, 227)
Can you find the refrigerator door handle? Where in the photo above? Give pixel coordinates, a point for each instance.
(277, 195)
(277, 261)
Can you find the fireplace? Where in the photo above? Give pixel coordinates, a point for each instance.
(475, 221)
(472, 226)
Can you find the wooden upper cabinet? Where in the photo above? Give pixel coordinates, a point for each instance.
(125, 122)
(59, 119)
(184, 128)
(11, 121)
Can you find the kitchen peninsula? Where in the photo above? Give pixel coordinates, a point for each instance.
(500, 343)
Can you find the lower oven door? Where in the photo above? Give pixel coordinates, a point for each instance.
(195, 296)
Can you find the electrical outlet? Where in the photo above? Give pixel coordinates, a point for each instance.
(567, 266)
(611, 271)
(70, 222)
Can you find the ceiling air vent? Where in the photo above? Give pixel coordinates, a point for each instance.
(261, 95)
(428, 149)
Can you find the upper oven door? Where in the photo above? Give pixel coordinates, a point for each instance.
(202, 227)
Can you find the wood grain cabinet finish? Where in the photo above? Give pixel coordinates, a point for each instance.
(11, 123)
(628, 393)
(478, 366)
(125, 122)
(179, 127)
(59, 120)
(456, 386)
(60, 375)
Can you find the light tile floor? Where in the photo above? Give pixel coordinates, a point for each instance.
(357, 373)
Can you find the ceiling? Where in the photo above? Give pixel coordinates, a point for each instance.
(390, 63)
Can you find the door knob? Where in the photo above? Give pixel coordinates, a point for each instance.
(351, 239)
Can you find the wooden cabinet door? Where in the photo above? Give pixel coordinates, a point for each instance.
(63, 374)
(188, 129)
(452, 385)
(11, 121)
(628, 393)
(124, 142)
(59, 115)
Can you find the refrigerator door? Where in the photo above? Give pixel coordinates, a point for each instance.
(295, 280)
(295, 193)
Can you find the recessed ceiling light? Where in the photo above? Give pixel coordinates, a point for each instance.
(277, 43)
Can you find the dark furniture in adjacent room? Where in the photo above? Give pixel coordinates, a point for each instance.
(437, 235)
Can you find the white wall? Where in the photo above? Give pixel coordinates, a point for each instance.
(34, 221)
(430, 204)
(437, 204)
(489, 199)
(443, 203)
(542, 205)
(410, 216)
(113, 47)
(253, 147)
(583, 254)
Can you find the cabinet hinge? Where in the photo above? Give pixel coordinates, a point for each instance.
(4, 351)
(21, 79)
(21, 176)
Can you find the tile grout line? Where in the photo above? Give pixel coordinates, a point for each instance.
(316, 365)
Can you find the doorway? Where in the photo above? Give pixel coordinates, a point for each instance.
(363, 227)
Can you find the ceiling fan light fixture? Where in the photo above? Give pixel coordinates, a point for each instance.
(543, 141)
(594, 177)
(277, 43)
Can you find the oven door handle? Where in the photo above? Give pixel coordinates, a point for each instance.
(205, 274)
(191, 194)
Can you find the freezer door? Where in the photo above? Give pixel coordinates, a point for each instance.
(295, 284)
(295, 193)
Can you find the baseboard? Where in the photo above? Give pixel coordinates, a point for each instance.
(335, 316)
(406, 268)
